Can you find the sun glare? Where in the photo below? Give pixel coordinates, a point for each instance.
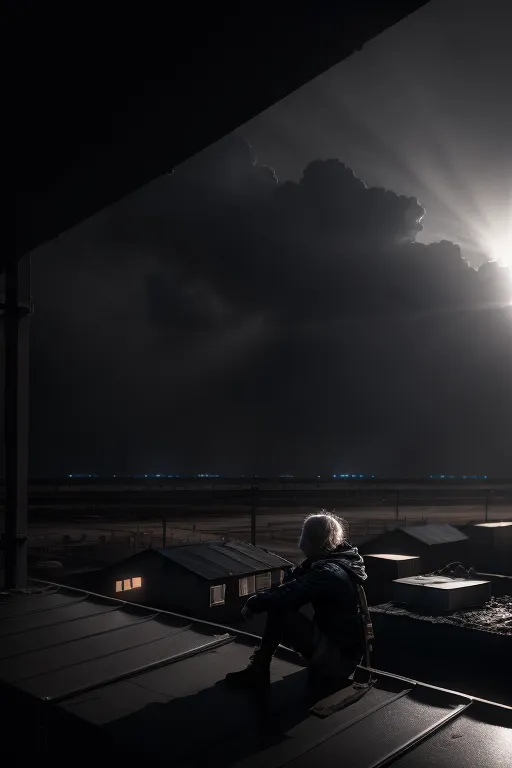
(497, 241)
(500, 249)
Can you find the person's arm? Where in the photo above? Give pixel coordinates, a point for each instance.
(291, 572)
(291, 594)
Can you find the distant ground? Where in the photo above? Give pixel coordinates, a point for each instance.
(85, 538)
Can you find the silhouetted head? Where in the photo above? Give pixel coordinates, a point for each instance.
(322, 533)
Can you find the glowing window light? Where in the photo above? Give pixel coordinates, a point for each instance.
(126, 584)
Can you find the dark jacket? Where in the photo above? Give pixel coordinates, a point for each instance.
(329, 585)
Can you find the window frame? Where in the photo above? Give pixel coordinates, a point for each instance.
(248, 581)
(222, 587)
(267, 575)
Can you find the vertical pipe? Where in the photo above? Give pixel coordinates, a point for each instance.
(16, 329)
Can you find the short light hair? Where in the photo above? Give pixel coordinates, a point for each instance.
(323, 531)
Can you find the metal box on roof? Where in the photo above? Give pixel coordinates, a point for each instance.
(440, 593)
(383, 569)
(491, 547)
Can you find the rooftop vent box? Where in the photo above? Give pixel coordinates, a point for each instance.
(440, 593)
(391, 567)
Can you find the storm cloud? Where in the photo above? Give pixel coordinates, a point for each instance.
(219, 320)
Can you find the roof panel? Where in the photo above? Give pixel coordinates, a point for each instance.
(238, 560)
(467, 741)
(233, 562)
(439, 533)
(83, 650)
(46, 637)
(23, 607)
(187, 558)
(74, 609)
(113, 702)
(66, 681)
(269, 559)
(391, 728)
(212, 560)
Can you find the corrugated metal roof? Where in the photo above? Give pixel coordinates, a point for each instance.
(214, 560)
(152, 683)
(438, 533)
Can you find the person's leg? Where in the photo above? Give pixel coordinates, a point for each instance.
(299, 634)
(289, 628)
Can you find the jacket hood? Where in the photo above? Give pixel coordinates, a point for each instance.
(348, 557)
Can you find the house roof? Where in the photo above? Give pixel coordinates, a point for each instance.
(438, 533)
(142, 682)
(111, 120)
(214, 560)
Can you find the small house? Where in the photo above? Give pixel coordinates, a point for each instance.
(436, 544)
(212, 580)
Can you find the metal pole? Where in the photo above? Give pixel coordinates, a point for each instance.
(18, 307)
(254, 494)
(253, 525)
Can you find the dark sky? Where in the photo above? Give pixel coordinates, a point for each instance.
(236, 319)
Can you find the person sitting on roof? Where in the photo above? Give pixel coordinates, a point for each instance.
(332, 642)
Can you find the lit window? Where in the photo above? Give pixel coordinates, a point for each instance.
(126, 584)
(246, 586)
(218, 594)
(263, 581)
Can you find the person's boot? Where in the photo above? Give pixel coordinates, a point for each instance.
(255, 675)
